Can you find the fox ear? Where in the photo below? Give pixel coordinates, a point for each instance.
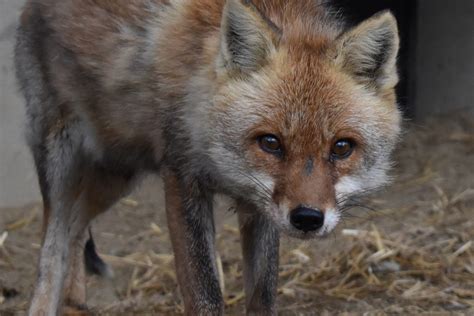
(369, 51)
(247, 37)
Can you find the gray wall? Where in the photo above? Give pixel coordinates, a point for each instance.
(445, 57)
(444, 69)
(18, 184)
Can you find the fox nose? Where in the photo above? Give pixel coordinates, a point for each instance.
(307, 219)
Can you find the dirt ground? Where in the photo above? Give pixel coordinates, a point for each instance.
(407, 250)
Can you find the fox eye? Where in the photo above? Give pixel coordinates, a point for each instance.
(342, 149)
(270, 144)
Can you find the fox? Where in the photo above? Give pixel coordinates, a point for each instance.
(277, 104)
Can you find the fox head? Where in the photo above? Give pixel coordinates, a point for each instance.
(303, 117)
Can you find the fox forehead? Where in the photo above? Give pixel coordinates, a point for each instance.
(296, 96)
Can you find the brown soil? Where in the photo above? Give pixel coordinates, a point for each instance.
(412, 254)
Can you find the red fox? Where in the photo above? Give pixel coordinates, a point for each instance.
(272, 102)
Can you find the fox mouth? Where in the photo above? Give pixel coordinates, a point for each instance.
(298, 234)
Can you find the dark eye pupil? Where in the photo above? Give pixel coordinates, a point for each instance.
(270, 144)
(342, 149)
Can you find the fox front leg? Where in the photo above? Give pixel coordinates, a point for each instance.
(191, 226)
(260, 245)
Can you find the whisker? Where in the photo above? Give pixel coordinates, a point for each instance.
(361, 206)
(265, 193)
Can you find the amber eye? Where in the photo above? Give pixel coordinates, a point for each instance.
(270, 144)
(342, 149)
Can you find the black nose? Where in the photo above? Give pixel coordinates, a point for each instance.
(307, 219)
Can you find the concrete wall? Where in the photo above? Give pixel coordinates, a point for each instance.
(445, 57)
(18, 184)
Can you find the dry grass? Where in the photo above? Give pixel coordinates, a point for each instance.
(427, 267)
